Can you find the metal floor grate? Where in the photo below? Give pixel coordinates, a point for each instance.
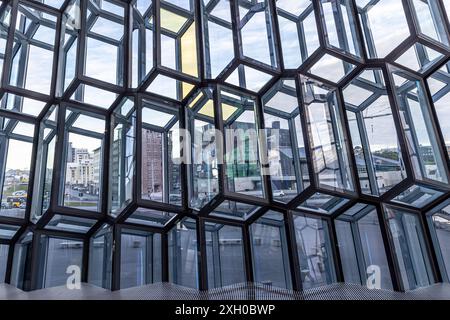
(242, 291)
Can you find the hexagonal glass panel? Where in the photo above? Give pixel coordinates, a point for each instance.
(104, 41)
(419, 58)
(203, 168)
(248, 78)
(241, 146)
(423, 143)
(68, 44)
(314, 251)
(142, 36)
(178, 38)
(376, 147)
(269, 251)
(438, 83)
(384, 25)
(170, 87)
(430, 20)
(70, 224)
(410, 248)
(55, 256)
(7, 231)
(34, 45)
(331, 68)
(83, 157)
(22, 104)
(330, 156)
(235, 210)
(339, 26)
(4, 249)
(183, 254)
(150, 217)
(298, 31)
(285, 141)
(16, 144)
(122, 168)
(439, 223)
(256, 31)
(217, 36)
(94, 96)
(224, 255)
(160, 153)
(361, 245)
(43, 175)
(323, 203)
(138, 246)
(100, 257)
(417, 196)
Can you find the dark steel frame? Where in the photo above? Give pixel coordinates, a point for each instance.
(360, 62)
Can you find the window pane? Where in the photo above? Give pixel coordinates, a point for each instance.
(361, 246)
(314, 251)
(225, 255)
(410, 249)
(285, 142)
(203, 173)
(347, 252)
(83, 161)
(140, 255)
(32, 63)
(161, 180)
(56, 256)
(256, 31)
(328, 143)
(104, 44)
(269, 250)
(15, 161)
(183, 254)
(100, 258)
(243, 173)
(22, 262)
(3, 261)
(122, 157)
(423, 144)
(44, 164)
(376, 147)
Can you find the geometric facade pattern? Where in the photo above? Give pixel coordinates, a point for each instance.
(208, 143)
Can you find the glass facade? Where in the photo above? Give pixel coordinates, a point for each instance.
(209, 143)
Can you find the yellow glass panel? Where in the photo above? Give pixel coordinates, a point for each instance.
(198, 97)
(189, 52)
(171, 21)
(227, 111)
(208, 109)
(187, 88)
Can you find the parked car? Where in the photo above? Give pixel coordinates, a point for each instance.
(278, 193)
(5, 205)
(19, 193)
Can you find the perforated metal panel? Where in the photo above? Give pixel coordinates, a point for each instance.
(243, 292)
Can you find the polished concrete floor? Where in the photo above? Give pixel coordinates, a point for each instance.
(245, 291)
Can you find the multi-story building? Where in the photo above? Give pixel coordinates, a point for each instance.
(81, 171)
